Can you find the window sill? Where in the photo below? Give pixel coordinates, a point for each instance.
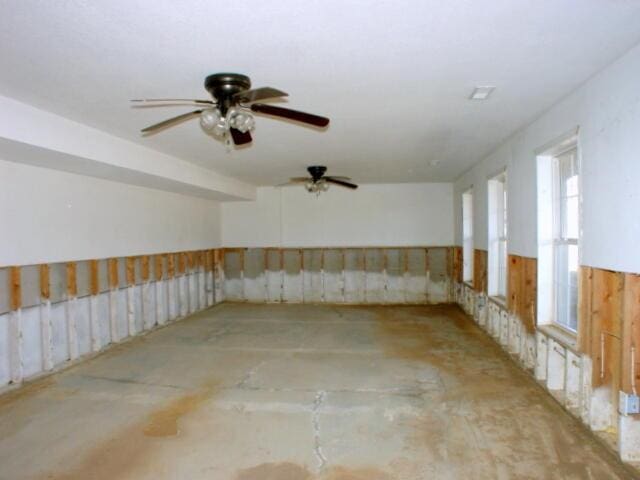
(561, 335)
(500, 301)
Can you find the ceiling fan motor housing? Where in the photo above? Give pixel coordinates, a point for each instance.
(316, 172)
(223, 86)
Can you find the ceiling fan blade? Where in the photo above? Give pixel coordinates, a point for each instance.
(259, 94)
(171, 121)
(240, 138)
(172, 100)
(290, 114)
(299, 179)
(341, 183)
(337, 177)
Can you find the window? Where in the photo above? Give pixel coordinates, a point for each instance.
(467, 235)
(566, 219)
(558, 184)
(498, 236)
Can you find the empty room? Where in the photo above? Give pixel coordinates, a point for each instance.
(319, 240)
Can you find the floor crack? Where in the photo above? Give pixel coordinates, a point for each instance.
(317, 447)
(243, 383)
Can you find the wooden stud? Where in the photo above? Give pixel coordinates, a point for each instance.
(94, 285)
(606, 328)
(113, 273)
(145, 268)
(513, 283)
(631, 334)
(45, 318)
(171, 266)
(480, 270)
(158, 266)
(131, 270)
(221, 258)
(406, 260)
(207, 260)
(191, 260)
(72, 285)
(15, 288)
(426, 261)
(457, 264)
(182, 260)
(527, 301)
(585, 293)
(45, 290)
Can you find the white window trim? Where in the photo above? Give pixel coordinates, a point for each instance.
(559, 239)
(496, 288)
(467, 239)
(546, 315)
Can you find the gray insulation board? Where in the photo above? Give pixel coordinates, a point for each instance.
(30, 285)
(4, 290)
(437, 264)
(58, 282)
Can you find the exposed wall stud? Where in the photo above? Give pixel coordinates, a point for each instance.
(45, 318)
(113, 299)
(94, 290)
(15, 325)
(131, 301)
(72, 328)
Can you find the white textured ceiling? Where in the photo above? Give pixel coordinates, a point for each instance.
(393, 76)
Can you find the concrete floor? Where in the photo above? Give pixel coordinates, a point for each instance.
(292, 392)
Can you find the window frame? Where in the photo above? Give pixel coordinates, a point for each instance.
(559, 237)
(547, 291)
(497, 229)
(467, 237)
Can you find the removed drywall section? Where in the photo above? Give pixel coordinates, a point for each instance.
(333, 275)
(439, 275)
(416, 278)
(395, 263)
(92, 309)
(255, 287)
(274, 275)
(585, 373)
(312, 275)
(292, 285)
(416, 275)
(354, 276)
(374, 272)
(233, 271)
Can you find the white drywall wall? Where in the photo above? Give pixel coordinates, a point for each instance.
(384, 215)
(607, 111)
(50, 216)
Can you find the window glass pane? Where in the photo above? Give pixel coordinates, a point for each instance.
(566, 218)
(572, 257)
(467, 236)
(502, 268)
(572, 217)
(566, 265)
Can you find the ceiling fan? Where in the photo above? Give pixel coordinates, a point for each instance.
(228, 114)
(318, 182)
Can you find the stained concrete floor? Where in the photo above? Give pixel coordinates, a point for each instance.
(286, 392)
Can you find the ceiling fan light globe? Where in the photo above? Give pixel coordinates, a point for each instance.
(243, 122)
(220, 128)
(209, 118)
